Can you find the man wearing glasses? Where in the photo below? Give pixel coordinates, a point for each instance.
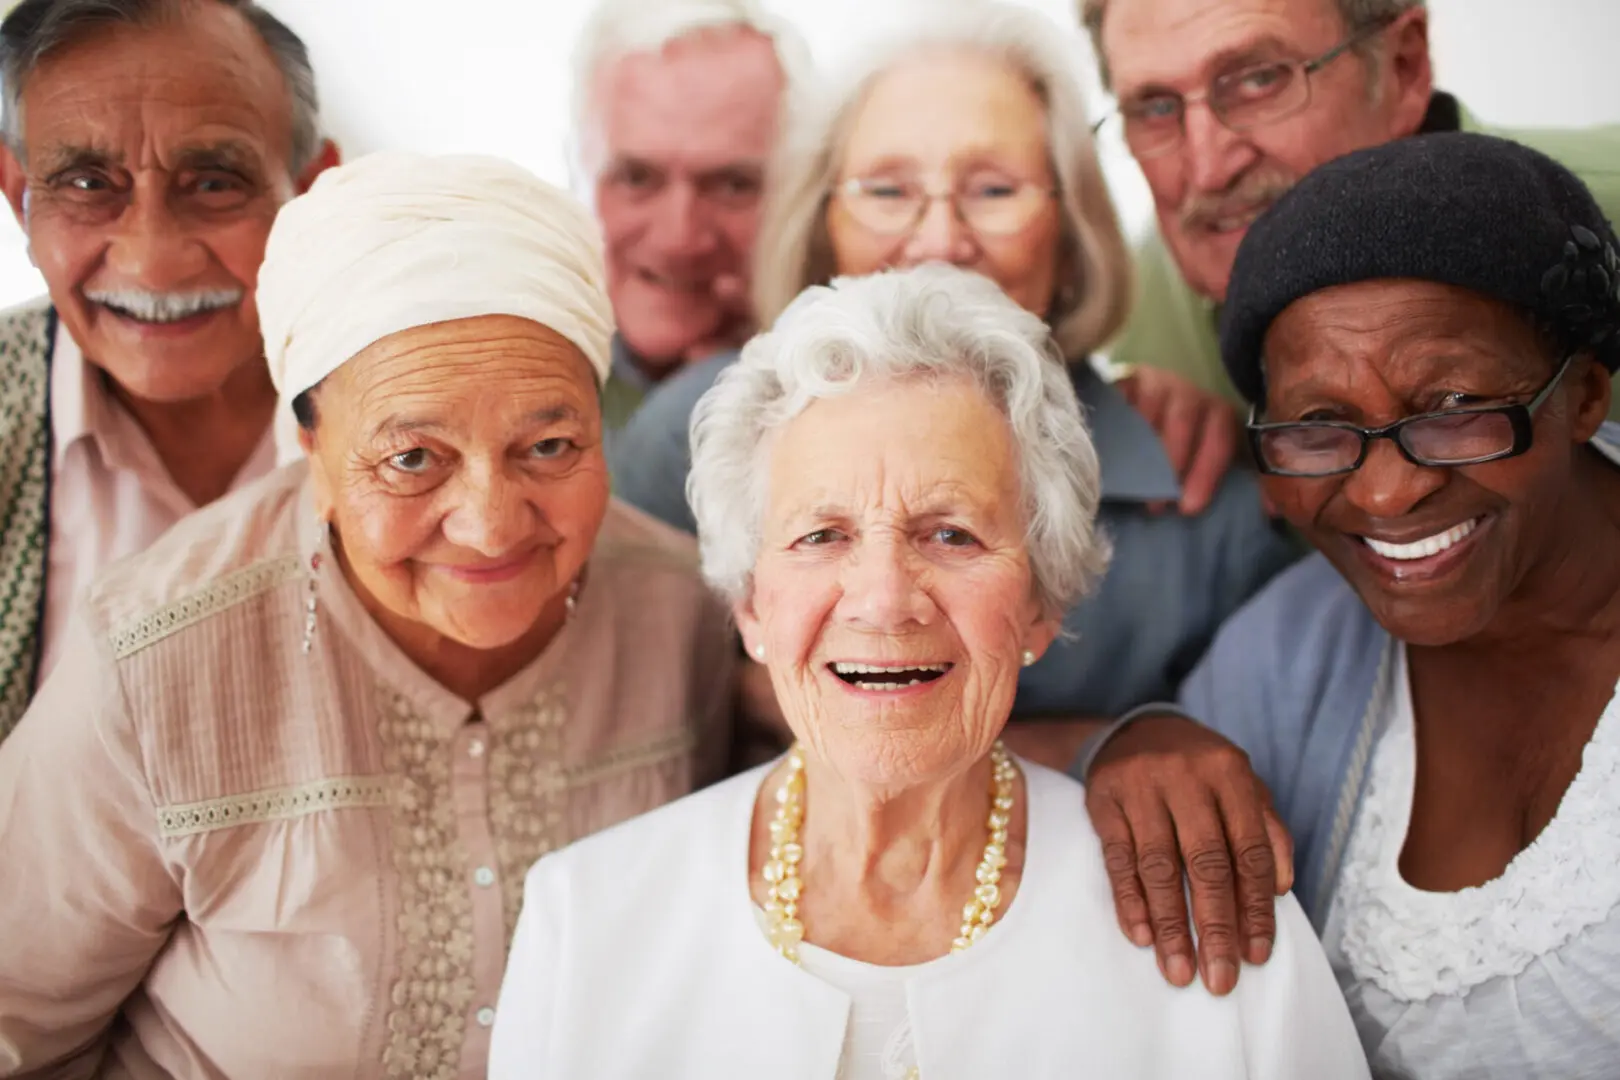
(1226, 104)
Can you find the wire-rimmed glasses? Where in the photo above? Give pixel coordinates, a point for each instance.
(1242, 99)
(896, 206)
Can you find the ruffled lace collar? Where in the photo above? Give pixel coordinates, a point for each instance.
(1415, 945)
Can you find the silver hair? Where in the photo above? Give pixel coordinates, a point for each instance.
(36, 28)
(793, 246)
(1358, 15)
(618, 28)
(929, 322)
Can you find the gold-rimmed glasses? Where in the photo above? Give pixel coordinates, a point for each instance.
(1249, 96)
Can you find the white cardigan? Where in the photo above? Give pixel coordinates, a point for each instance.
(638, 955)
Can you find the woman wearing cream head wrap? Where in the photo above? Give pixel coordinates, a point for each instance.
(299, 754)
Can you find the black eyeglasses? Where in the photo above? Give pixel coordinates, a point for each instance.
(1243, 99)
(1441, 440)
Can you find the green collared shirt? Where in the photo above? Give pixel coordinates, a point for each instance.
(1174, 328)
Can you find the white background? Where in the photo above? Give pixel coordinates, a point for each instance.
(492, 76)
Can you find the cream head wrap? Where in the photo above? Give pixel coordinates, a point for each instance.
(398, 240)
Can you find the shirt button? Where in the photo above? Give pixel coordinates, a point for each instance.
(484, 877)
(475, 748)
(486, 1016)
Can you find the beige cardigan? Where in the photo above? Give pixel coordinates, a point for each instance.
(224, 857)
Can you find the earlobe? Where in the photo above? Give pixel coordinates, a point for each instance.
(1411, 70)
(327, 157)
(742, 613)
(1039, 638)
(319, 482)
(1597, 390)
(15, 182)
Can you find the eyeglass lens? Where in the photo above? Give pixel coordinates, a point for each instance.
(899, 207)
(1434, 440)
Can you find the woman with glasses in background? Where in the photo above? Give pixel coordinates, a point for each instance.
(964, 139)
(1427, 331)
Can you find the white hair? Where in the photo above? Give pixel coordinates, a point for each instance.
(618, 28)
(793, 249)
(929, 322)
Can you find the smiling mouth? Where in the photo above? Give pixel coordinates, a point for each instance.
(163, 315)
(1236, 222)
(1426, 548)
(674, 283)
(888, 676)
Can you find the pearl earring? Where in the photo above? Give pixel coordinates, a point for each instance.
(1029, 657)
(571, 601)
(309, 601)
(759, 652)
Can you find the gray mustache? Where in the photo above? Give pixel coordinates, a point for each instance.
(162, 307)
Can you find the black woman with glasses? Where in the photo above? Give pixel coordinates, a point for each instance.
(1427, 332)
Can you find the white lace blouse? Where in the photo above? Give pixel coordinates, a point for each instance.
(1518, 978)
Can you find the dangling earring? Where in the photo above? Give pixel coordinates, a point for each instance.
(1029, 657)
(309, 602)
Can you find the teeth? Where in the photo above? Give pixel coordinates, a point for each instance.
(158, 307)
(887, 685)
(1422, 549)
(885, 669)
(674, 284)
(1233, 224)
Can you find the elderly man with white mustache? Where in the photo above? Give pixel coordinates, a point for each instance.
(148, 146)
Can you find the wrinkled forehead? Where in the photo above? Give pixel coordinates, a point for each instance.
(463, 370)
(708, 100)
(895, 445)
(1403, 333)
(1181, 44)
(942, 107)
(135, 91)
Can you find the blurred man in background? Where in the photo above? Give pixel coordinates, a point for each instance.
(675, 117)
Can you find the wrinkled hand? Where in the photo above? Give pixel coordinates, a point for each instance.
(1199, 430)
(1167, 794)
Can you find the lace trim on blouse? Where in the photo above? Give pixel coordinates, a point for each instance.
(1415, 945)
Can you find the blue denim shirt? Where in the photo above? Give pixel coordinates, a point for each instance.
(1173, 580)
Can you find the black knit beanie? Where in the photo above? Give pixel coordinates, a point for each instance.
(1462, 209)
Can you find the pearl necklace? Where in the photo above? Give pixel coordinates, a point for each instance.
(784, 889)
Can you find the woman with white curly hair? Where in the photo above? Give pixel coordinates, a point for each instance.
(897, 493)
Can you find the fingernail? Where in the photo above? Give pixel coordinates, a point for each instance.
(1142, 935)
(1221, 978)
(1259, 950)
(1179, 969)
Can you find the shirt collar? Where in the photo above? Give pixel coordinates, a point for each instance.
(1444, 114)
(80, 407)
(625, 367)
(1135, 467)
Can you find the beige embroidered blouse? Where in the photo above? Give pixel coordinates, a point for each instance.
(222, 856)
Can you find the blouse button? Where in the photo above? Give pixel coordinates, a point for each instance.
(475, 748)
(486, 1016)
(484, 877)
